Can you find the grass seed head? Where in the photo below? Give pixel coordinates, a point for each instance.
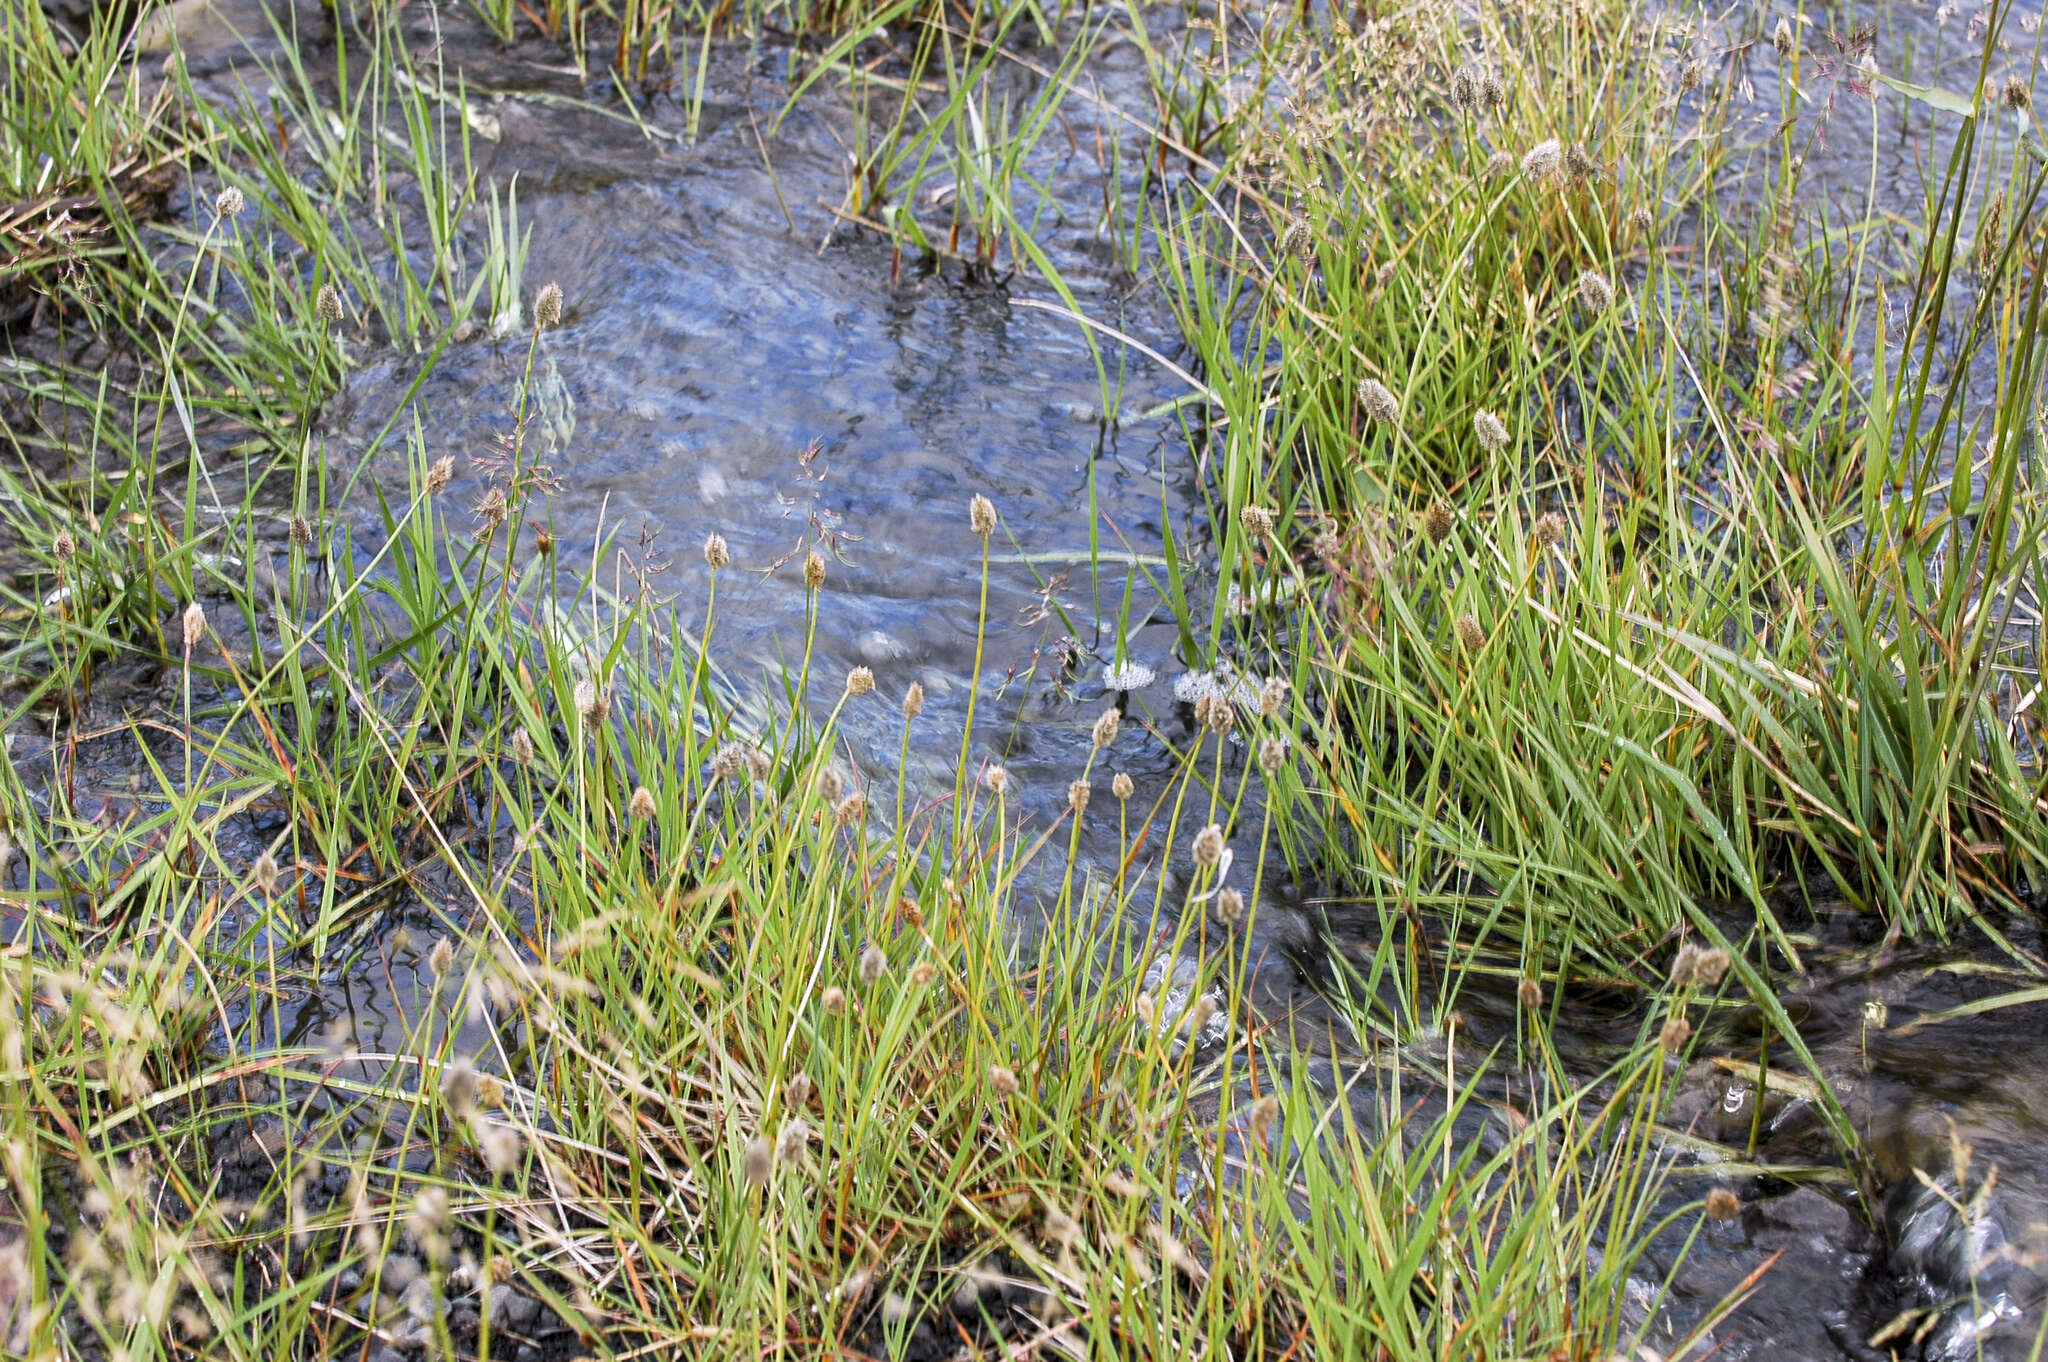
(799, 1091)
(2017, 95)
(1106, 727)
(851, 810)
(441, 957)
(1003, 1080)
(1272, 755)
(1581, 166)
(922, 973)
(327, 304)
(814, 570)
(1465, 89)
(1077, 796)
(64, 546)
(758, 1161)
(490, 511)
(547, 307)
(1378, 402)
(1438, 521)
(263, 873)
(1685, 966)
(759, 764)
(1493, 91)
(830, 785)
(997, 779)
(430, 1210)
(1641, 221)
(1120, 785)
(228, 203)
(1490, 431)
(873, 964)
(439, 475)
(1723, 1204)
(1471, 632)
(1263, 1116)
(193, 624)
(913, 700)
(501, 1147)
(1782, 39)
(522, 747)
(1256, 521)
(458, 1088)
(1673, 1035)
(981, 515)
(1530, 992)
(1208, 846)
(1698, 965)
(859, 681)
(641, 805)
(728, 761)
(1272, 696)
(1541, 162)
(795, 1138)
(716, 554)
(1548, 531)
(833, 999)
(302, 532)
(1497, 167)
(1229, 907)
(592, 703)
(1595, 291)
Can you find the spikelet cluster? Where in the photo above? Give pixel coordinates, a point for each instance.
(1697, 966)
(1378, 402)
(547, 307)
(1106, 727)
(1542, 162)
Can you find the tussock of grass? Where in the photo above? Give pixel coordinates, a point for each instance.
(1606, 578)
(1703, 615)
(713, 1059)
(74, 166)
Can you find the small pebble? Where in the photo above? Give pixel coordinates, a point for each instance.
(423, 1302)
(400, 1271)
(511, 1308)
